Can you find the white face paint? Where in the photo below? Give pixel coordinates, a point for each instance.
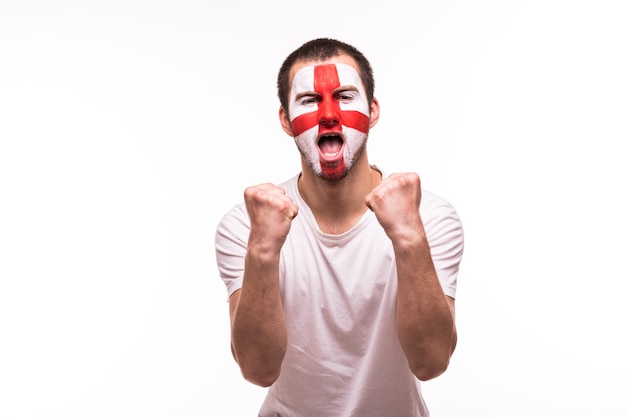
(330, 117)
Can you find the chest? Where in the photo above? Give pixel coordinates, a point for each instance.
(348, 280)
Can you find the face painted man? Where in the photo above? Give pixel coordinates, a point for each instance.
(329, 116)
(341, 280)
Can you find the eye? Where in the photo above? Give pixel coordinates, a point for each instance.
(346, 96)
(306, 100)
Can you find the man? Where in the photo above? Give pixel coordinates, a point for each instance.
(341, 280)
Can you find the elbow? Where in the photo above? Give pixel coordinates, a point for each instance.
(262, 370)
(430, 370)
(261, 378)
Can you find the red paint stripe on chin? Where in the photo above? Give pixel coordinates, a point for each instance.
(333, 171)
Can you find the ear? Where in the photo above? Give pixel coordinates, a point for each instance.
(285, 122)
(374, 112)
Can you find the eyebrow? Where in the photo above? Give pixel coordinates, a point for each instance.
(343, 88)
(306, 94)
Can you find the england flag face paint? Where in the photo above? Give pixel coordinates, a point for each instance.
(329, 116)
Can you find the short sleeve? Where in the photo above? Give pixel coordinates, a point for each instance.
(231, 241)
(444, 231)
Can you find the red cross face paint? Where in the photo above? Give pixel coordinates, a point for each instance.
(329, 117)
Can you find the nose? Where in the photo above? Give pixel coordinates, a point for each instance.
(328, 112)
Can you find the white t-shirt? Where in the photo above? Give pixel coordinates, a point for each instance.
(339, 295)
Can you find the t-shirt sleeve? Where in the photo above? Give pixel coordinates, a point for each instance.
(231, 241)
(445, 237)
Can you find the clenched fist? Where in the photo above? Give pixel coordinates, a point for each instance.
(395, 202)
(271, 212)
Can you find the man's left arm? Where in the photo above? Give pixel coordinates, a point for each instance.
(425, 315)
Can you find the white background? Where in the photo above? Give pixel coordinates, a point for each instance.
(128, 128)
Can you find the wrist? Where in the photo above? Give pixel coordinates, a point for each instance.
(410, 241)
(263, 253)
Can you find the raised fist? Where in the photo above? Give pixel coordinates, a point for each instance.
(395, 202)
(271, 212)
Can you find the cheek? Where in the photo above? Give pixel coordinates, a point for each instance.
(304, 122)
(306, 141)
(354, 141)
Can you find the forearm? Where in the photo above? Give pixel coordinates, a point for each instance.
(258, 331)
(425, 319)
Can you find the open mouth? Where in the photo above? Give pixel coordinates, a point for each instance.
(330, 146)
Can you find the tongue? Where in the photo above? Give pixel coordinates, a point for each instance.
(330, 146)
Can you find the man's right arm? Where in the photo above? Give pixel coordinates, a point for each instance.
(258, 329)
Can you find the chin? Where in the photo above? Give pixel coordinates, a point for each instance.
(333, 173)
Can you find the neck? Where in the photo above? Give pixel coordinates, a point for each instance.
(338, 205)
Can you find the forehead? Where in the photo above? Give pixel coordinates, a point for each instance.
(339, 59)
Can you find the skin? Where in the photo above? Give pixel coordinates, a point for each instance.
(425, 315)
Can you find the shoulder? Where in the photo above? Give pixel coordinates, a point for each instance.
(443, 228)
(291, 186)
(433, 202)
(233, 226)
(437, 210)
